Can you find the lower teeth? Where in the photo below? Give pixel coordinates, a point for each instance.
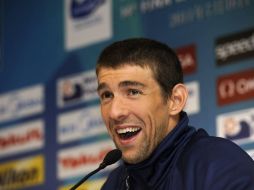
(128, 135)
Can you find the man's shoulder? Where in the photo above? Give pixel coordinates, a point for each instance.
(205, 145)
(205, 159)
(206, 149)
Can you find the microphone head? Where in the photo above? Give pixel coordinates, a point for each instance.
(112, 157)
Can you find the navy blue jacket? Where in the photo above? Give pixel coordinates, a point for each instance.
(187, 160)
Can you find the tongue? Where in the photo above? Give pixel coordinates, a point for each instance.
(128, 135)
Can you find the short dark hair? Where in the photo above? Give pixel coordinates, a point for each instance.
(157, 56)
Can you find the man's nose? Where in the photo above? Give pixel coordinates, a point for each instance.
(118, 109)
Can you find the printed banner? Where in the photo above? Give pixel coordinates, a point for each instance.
(235, 87)
(20, 103)
(78, 88)
(193, 103)
(235, 47)
(22, 173)
(80, 124)
(85, 21)
(80, 160)
(21, 138)
(237, 126)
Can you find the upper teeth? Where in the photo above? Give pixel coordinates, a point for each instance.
(121, 131)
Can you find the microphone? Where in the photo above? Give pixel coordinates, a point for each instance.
(112, 157)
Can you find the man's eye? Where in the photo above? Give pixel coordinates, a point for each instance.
(134, 92)
(106, 95)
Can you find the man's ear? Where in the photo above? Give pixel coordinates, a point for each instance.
(177, 99)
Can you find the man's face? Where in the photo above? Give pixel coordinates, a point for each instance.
(133, 109)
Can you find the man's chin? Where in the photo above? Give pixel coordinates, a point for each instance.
(130, 154)
(131, 158)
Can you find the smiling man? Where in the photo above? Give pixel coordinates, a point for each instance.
(140, 84)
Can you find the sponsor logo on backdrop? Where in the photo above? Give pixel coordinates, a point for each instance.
(187, 57)
(91, 184)
(83, 8)
(20, 103)
(80, 160)
(152, 5)
(22, 173)
(198, 11)
(128, 9)
(80, 124)
(21, 138)
(193, 103)
(237, 126)
(251, 153)
(235, 47)
(85, 20)
(77, 88)
(235, 87)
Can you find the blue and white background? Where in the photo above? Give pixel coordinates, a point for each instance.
(51, 132)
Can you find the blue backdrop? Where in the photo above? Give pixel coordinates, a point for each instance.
(44, 44)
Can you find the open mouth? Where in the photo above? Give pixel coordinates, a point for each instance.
(128, 133)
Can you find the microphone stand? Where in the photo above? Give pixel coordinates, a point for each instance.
(102, 166)
(111, 157)
(85, 178)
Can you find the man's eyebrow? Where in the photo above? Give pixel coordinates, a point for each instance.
(126, 83)
(131, 83)
(101, 86)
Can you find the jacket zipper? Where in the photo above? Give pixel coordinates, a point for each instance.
(127, 183)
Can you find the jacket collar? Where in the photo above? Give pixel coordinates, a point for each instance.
(153, 170)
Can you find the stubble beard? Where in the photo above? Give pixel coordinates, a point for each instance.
(147, 147)
(144, 150)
